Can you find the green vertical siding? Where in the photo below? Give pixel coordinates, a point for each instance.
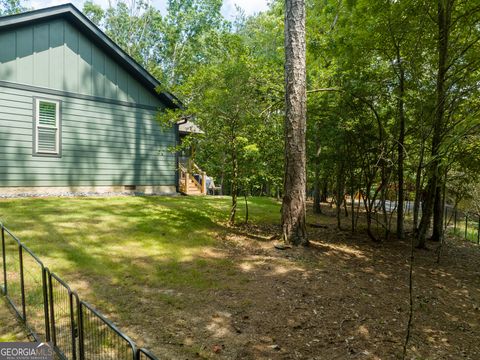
(102, 144)
(56, 55)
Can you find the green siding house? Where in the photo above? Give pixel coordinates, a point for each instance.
(77, 114)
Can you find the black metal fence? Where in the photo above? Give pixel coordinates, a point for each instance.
(52, 312)
(457, 222)
(464, 224)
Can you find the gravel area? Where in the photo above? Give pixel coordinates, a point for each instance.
(81, 194)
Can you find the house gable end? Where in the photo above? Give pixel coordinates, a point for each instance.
(59, 52)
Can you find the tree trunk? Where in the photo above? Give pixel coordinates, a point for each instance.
(233, 210)
(294, 202)
(352, 195)
(340, 192)
(352, 208)
(418, 188)
(345, 208)
(222, 176)
(400, 148)
(444, 17)
(317, 209)
(246, 207)
(383, 194)
(437, 216)
(358, 209)
(324, 197)
(368, 212)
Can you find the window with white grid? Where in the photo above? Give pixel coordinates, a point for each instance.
(47, 127)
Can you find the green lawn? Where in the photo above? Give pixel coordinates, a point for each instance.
(10, 330)
(99, 244)
(173, 276)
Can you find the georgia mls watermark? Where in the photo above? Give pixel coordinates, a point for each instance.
(26, 351)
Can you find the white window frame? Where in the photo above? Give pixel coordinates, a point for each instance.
(57, 126)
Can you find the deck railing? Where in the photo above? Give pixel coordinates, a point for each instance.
(52, 312)
(186, 175)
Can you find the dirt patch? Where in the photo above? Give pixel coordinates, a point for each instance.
(342, 298)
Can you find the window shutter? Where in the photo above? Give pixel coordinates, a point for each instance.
(47, 127)
(47, 114)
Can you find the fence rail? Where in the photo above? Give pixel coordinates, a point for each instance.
(464, 224)
(52, 312)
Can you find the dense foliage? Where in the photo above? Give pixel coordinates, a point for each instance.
(393, 96)
(10, 7)
(393, 110)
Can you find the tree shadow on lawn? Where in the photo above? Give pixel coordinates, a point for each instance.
(171, 286)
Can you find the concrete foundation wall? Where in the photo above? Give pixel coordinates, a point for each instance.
(85, 190)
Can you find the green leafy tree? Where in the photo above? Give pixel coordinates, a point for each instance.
(224, 104)
(10, 7)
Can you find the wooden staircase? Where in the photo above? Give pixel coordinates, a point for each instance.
(188, 184)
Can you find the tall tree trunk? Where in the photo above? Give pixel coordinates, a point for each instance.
(352, 194)
(345, 208)
(437, 230)
(368, 212)
(294, 202)
(444, 18)
(340, 192)
(401, 141)
(418, 188)
(383, 194)
(352, 206)
(358, 207)
(324, 196)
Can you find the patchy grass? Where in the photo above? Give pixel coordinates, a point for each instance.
(132, 242)
(172, 275)
(10, 330)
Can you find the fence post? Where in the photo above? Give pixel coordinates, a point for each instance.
(81, 348)
(22, 281)
(478, 231)
(52, 311)
(72, 325)
(466, 225)
(4, 262)
(445, 217)
(45, 303)
(455, 223)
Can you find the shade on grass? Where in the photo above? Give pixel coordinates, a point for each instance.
(129, 241)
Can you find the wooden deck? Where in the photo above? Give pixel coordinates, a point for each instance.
(192, 180)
